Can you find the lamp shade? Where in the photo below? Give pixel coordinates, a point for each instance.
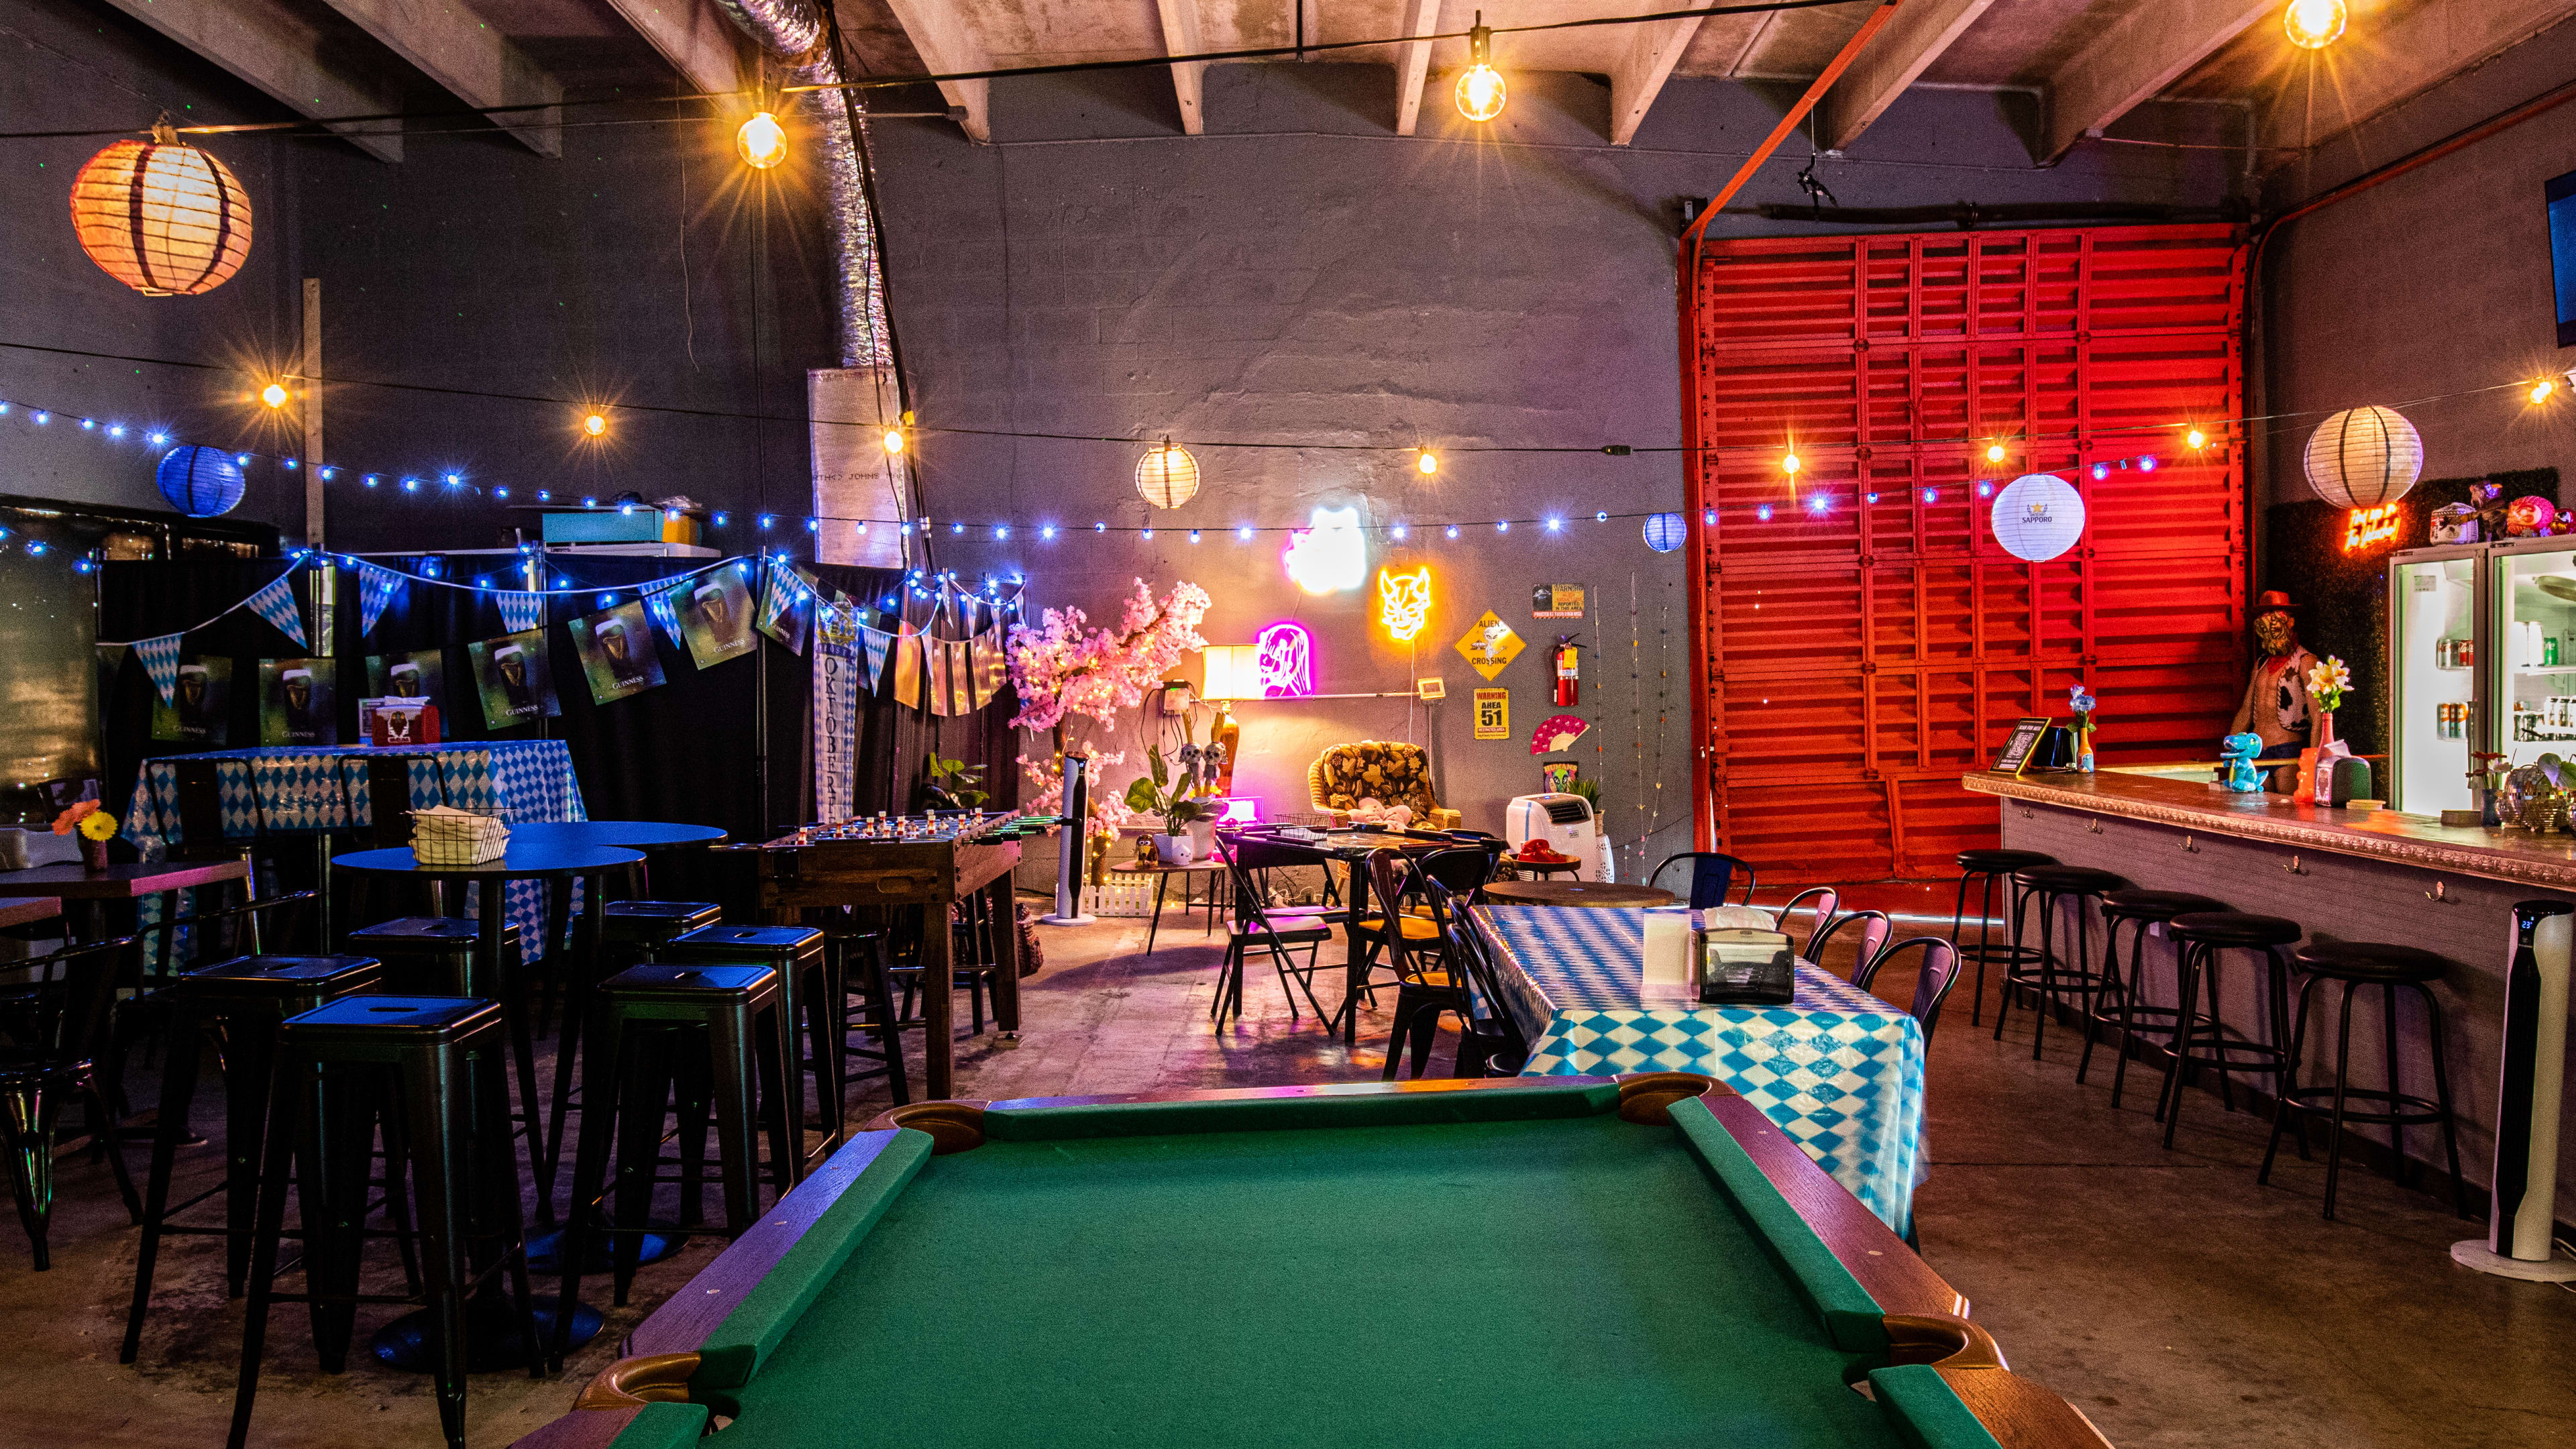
(2364, 457)
(1167, 476)
(1233, 672)
(199, 481)
(2038, 516)
(161, 216)
(1665, 532)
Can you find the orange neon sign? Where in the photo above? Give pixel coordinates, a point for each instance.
(2371, 527)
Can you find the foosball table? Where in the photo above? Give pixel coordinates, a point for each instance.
(934, 861)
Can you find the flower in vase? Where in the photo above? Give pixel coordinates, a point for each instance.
(2328, 678)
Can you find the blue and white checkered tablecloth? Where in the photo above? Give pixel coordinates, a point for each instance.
(1838, 1069)
(311, 788)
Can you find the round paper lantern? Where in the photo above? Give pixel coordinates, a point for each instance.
(1665, 532)
(1167, 476)
(2038, 516)
(2364, 457)
(200, 482)
(161, 216)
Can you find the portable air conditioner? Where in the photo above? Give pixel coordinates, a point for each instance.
(1565, 823)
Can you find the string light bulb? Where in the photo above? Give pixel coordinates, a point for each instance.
(1790, 465)
(274, 395)
(2195, 439)
(1480, 87)
(2542, 390)
(762, 142)
(595, 425)
(2314, 24)
(1994, 452)
(894, 440)
(1427, 464)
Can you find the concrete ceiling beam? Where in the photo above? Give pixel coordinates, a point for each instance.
(476, 63)
(276, 52)
(937, 29)
(2135, 58)
(1181, 37)
(689, 34)
(1645, 62)
(1916, 37)
(1415, 67)
(2424, 48)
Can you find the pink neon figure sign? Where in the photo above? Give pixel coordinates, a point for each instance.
(1284, 661)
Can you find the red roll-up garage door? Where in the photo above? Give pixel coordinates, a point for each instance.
(1863, 638)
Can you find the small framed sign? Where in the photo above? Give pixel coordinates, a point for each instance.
(1493, 714)
(2016, 753)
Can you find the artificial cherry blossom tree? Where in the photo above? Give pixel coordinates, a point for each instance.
(1066, 671)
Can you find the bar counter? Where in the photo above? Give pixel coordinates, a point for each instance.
(2341, 874)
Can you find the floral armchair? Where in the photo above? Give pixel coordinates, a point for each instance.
(1389, 772)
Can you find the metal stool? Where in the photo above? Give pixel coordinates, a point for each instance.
(815, 1002)
(2203, 1040)
(630, 932)
(2356, 964)
(435, 956)
(1992, 865)
(432, 1067)
(246, 998)
(2141, 909)
(644, 1019)
(2042, 974)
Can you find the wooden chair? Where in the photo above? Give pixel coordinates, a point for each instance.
(1712, 875)
(1821, 900)
(1256, 928)
(1934, 975)
(53, 1021)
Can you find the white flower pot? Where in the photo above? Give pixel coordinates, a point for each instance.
(1174, 849)
(1203, 840)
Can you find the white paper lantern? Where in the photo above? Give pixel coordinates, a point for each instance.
(2038, 516)
(2364, 457)
(1166, 476)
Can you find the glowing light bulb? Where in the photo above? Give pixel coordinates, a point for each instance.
(761, 141)
(2195, 439)
(2314, 24)
(894, 440)
(1428, 463)
(1790, 465)
(596, 425)
(1480, 91)
(2541, 390)
(274, 395)
(1994, 452)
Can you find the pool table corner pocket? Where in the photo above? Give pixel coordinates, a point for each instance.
(954, 1125)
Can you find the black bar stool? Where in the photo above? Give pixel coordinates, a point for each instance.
(811, 978)
(435, 956)
(2203, 1039)
(2140, 909)
(1992, 866)
(2360, 964)
(647, 1023)
(2043, 975)
(630, 932)
(245, 999)
(434, 1069)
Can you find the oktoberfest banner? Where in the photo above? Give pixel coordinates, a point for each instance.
(376, 589)
(276, 604)
(521, 610)
(836, 713)
(160, 656)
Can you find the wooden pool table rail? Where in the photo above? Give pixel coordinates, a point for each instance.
(1926, 1319)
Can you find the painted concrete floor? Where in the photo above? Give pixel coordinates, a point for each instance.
(2162, 1292)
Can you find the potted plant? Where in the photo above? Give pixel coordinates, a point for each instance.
(96, 828)
(1180, 798)
(951, 784)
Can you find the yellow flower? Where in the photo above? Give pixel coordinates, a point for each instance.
(98, 825)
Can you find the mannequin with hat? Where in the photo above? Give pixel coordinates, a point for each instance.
(2275, 708)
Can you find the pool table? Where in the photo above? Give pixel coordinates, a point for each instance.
(1642, 1260)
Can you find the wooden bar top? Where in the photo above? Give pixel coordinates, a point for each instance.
(2193, 804)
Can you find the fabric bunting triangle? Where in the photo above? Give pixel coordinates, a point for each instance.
(907, 670)
(377, 587)
(942, 701)
(521, 610)
(873, 644)
(160, 658)
(992, 666)
(276, 604)
(662, 603)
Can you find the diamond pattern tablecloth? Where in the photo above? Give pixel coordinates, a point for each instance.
(1838, 1069)
(311, 788)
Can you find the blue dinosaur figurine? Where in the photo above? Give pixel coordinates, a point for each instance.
(2237, 752)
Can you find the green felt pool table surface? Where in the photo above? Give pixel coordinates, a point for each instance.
(1505, 1264)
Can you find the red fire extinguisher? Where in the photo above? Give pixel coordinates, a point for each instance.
(1567, 685)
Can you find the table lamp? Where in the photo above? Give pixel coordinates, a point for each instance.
(1233, 672)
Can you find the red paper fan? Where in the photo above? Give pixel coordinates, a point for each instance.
(1559, 733)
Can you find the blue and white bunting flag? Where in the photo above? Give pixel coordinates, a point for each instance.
(377, 587)
(874, 644)
(662, 602)
(521, 610)
(276, 604)
(160, 656)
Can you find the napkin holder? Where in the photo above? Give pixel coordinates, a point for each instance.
(1740, 966)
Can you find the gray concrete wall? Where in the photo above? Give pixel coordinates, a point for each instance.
(2431, 284)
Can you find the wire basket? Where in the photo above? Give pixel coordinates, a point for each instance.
(443, 835)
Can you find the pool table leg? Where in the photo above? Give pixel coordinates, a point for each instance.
(1006, 959)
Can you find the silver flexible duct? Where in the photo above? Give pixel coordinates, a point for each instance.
(794, 32)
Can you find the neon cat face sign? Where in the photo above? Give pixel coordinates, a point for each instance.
(1331, 556)
(1284, 661)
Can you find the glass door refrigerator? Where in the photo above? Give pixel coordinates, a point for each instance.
(2482, 658)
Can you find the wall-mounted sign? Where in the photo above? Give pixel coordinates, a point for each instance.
(1489, 644)
(1404, 602)
(1429, 689)
(1556, 601)
(1331, 556)
(1284, 661)
(1493, 714)
(2368, 528)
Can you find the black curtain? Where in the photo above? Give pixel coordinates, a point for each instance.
(697, 749)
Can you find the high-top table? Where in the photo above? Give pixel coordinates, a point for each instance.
(19, 910)
(94, 889)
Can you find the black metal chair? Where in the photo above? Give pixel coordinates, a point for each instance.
(1934, 975)
(2049, 977)
(1875, 928)
(1426, 984)
(1820, 899)
(1256, 927)
(1712, 875)
(1490, 1040)
(54, 1018)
